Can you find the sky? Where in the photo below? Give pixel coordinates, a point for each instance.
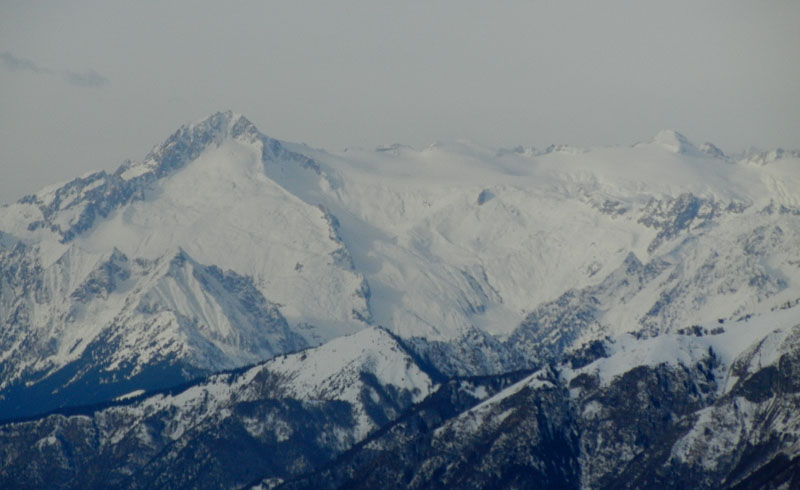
(86, 84)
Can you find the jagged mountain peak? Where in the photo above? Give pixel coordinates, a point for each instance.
(70, 209)
(712, 150)
(189, 141)
(674, 141)
(178, 261)
(222, 123)
(758, 157)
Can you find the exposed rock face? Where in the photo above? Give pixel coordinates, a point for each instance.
(281, 418)
(177, 298)
(663, 425)
(586, 421)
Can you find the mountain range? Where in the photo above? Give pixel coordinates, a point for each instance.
(237, 311)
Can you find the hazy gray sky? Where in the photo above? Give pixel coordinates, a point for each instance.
(85, 84)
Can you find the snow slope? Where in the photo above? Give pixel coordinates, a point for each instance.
(194, 260)
(286, 414)
(456, 236)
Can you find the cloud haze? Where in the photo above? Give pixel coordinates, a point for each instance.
(364, 73)
(14, 63)
(89, 78)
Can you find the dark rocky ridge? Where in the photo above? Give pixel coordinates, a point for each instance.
(648, 427)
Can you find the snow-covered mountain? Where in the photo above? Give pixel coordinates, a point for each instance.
(676, 411)
(423, 282)
(697, 409)
(291, 414)
(189, 262)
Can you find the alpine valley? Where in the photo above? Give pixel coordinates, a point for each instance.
(236, 311)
